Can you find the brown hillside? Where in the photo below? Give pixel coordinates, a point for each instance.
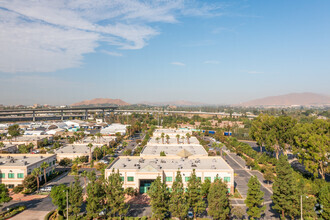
(101, 101)
(290, 99)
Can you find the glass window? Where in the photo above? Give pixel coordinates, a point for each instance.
(207, 178)
(20, 175)
(168, 179)
(122, 178)
(130, 178)
(54, 162)
(50, 164)
(187, 178)
(11, 175)
(227, 179)
(3, 175)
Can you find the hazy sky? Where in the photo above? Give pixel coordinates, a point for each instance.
(219, 52)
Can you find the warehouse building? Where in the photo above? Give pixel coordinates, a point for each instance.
(72, 151)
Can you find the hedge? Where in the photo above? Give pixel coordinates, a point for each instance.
(11, 212)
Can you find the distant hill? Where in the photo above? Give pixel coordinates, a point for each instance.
(290, 99)
(174, 103)
(101, 101)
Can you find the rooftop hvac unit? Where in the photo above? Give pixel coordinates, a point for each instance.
(163, 161)
(193, 165)
(124, 165)
(24, 157)
(213, 167)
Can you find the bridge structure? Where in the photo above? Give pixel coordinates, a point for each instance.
(51, 113)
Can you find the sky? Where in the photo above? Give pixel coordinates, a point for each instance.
(216, 52)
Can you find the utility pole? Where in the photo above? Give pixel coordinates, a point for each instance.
(67, 205)
(301, 208)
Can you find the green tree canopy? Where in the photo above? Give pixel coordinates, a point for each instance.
(75, 197)
(254, 198)
(285, 193)
(218, 199)
(58, 195)
(4, 194)
(194, 194)
(178, 203)
(159, 196)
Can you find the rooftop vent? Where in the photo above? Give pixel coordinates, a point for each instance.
(193, 165)
(124, 165)
(163, 161)
(24, 157)
(74, 151)
(141, 160)
(25, 163)
(41, 157)
(213, 167)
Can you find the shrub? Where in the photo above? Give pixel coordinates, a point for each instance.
(65, 162)
(18, 188)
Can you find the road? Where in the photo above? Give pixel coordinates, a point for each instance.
(37, 209)
(242, 176)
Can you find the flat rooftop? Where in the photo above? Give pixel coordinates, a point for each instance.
(173, 140)
(171, 163)
(173, 149)
(21, 159)
(74, 148)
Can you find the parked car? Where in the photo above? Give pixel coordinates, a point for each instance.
(46, 189)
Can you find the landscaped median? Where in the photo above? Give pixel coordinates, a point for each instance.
(11, 212)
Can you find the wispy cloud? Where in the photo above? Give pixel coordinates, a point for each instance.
(178, 64)
(47, 35)
(112, 53)
(255, 72)
(211, 62)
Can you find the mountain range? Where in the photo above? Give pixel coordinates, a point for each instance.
(290, 100)
(101, 101)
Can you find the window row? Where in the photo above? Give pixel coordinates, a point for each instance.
(12, 175)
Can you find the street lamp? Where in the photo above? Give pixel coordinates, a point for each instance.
(301, 207)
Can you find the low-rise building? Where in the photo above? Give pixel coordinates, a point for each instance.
(72, 151)
(140, 172)
(113, 129)
(27, 139)
(183, 150)
(15, 167)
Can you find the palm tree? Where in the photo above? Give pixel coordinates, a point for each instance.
(182, 138)
(2, 145)
(90, 145)
(97, 152)
(98, 135)
(157, 139)
(44, 166)
(188, 137)
(36, 173)
(84, 174)
(162, 136)
(104, 148)
(167, 139)
(76, 135)
(177, 138)
(93, 138)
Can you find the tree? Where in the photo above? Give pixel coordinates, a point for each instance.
(257, 131)
(268, 175)
(324, 200)
(178, 203)
(312, 146)
(90, 145)
(157, 139)
(84, 174)
(95, 196)
(206, 187)
(98, 135)
(167, 139)
(75, 197)
(194, 194)
(4, 194)
(44, 166)
(188, 138)
(2, 145)
(162, 136)
(97, 152)
(182, 138)
(36, 173)
(115, 195)
(285, 195)
(58, 195)
(254, 198)
(218, 200)
(177, 138)
(162, 154)
(14, 131)
(159, 198)
(237, 212)
(93, 138)
(30, 183)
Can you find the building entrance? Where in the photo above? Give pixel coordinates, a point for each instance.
(145, 185)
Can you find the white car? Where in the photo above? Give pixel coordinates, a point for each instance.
(46, 189)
